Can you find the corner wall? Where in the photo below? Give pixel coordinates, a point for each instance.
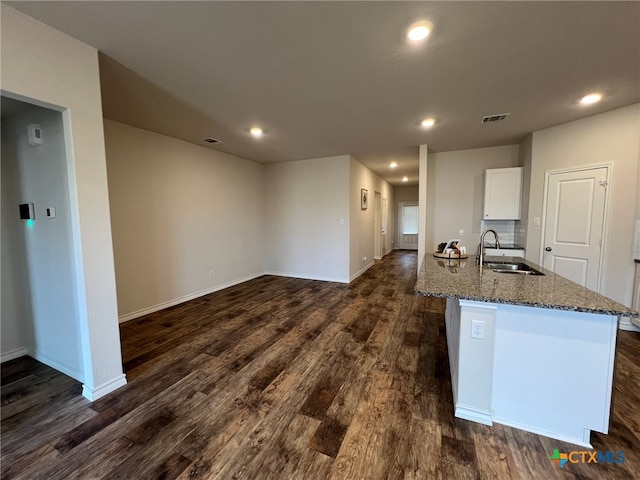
(307, 215)
(43, 66)
(186, 220)
(608, 137)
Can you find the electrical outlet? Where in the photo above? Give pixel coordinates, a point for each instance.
(477, 329)
(461, 233)
(210, 273)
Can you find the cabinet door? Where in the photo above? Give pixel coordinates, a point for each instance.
(503, 193)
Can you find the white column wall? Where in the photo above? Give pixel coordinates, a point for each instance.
(46, 67)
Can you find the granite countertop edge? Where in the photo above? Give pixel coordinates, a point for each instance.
(431, 284)
(567, 308)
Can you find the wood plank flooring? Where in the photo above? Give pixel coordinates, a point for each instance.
(289, 379)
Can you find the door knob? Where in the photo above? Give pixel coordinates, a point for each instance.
(548, 249)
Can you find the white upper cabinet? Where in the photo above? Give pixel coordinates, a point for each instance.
(502, 193)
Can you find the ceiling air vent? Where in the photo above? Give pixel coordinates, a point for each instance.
(211, 140)
(495, 118)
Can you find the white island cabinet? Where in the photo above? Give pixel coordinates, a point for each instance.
(535, 352)
(546, 371)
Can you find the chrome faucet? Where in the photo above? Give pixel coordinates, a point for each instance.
(481, 256)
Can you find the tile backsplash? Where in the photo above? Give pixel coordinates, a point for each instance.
(509, 231)
(520, 234)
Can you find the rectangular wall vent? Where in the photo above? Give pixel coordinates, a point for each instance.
(495, 118)
(211, 140)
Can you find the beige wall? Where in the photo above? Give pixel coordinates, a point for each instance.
(43, 66)
(611, 137)
(187, 220)
(426, 202)
(361, 226)
(307, 218)
(456, 191)
(525, 152)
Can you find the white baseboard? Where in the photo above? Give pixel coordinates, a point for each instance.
(69, 370)
(583, 440)
(305, 276)
(161, 306)
(94, 394)
(13, 354)
(364, 269)
(473, 414)
(625, 324)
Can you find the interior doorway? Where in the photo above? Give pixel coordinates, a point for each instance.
(575, 210)
(39, 297)
(377, 226)
(385, 227)
(408, 225)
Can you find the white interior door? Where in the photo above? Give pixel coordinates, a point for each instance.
(574, 224)
(408, 225)
(377, 226)
(385, 220)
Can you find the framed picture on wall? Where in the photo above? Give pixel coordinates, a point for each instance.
(364, 199)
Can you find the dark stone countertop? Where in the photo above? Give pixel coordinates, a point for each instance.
(464, 279)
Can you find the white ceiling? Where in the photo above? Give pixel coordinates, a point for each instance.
(333, 78)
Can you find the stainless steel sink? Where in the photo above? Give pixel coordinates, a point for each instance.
(521, 268)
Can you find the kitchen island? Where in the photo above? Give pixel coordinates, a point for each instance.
(534, 352)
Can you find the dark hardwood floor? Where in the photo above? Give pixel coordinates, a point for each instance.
(289, 379)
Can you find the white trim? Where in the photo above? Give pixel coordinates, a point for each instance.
(104, 389)
(626, 324)
(13, 354)
(357, 274)
(473, 414)
(57, 365)
(305, 276)
(87, 392)
(605, 219)
(583, 441)
(161, 306)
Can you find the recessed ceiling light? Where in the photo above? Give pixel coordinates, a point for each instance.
(419, 31)
(405, 179)
(393, 165)
(428, 122)
(256, 132)
(591, 98)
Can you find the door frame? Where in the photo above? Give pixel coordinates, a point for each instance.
(384, 226)
(377, 226)
(605, 219)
